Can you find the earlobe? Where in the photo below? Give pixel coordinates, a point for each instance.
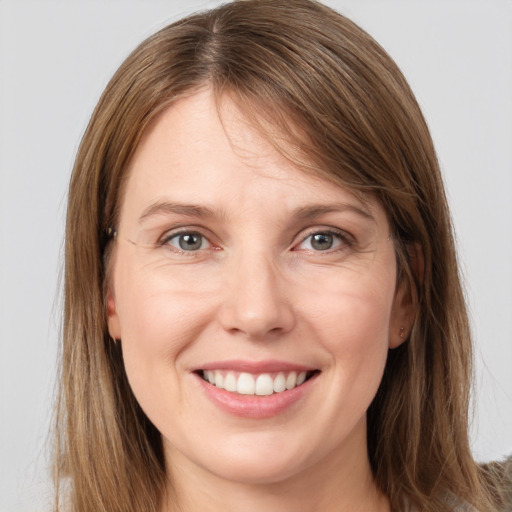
(114, 326)
(402, 316)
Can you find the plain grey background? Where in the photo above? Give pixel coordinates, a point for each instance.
(55, 59)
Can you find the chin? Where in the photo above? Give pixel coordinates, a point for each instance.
(257, 470)
(256, 458)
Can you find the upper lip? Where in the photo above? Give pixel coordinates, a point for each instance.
(255, 367)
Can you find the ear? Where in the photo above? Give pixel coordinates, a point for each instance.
(402, 315)
(404, 306)
(114, 325)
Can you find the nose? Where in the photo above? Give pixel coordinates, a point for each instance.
(256, 302)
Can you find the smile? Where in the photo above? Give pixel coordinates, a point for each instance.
(264, 384)
(255, 390)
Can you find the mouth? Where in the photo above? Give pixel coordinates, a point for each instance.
(262, 384)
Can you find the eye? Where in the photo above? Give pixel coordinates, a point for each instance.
(323, 241)
(187, 241)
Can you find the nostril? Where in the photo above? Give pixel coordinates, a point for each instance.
(254, 303)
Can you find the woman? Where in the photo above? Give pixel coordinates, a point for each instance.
(262, 303)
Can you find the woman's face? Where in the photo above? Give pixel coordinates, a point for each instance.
(232, 266)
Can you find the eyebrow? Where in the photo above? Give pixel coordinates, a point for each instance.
(194, 210)
(191, 210)
(313, 211)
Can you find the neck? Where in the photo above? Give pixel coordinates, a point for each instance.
(340, 482)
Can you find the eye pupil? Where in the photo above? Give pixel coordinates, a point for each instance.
(190, 242)
(322, 241)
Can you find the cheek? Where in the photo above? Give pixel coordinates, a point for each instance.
(154, 332)
(154, 307)
(359, 358)
(157, 322)
(353, 311)
(358, 343)
(354, 329)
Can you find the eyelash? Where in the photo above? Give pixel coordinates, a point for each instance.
(345, 241)
(165, 241)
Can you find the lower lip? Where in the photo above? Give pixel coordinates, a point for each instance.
(253, 406)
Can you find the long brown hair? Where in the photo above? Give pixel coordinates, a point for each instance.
(330, 99)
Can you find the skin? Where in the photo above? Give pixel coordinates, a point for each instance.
(256, 289)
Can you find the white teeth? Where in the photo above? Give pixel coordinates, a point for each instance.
(264, 385)
(291, 381)
(230, 382)
(248, 384)
(279, 383)
(219, 379)
(301, 378)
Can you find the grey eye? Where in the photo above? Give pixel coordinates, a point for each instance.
(188, 241)
(322, 241)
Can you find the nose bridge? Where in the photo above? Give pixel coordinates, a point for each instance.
(256, 302)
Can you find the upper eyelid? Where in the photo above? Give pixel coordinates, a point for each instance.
(164, 243)
(183, 230)
(328, 230)
(346, 241)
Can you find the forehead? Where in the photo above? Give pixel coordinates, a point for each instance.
(201, 124)
(201, 150)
